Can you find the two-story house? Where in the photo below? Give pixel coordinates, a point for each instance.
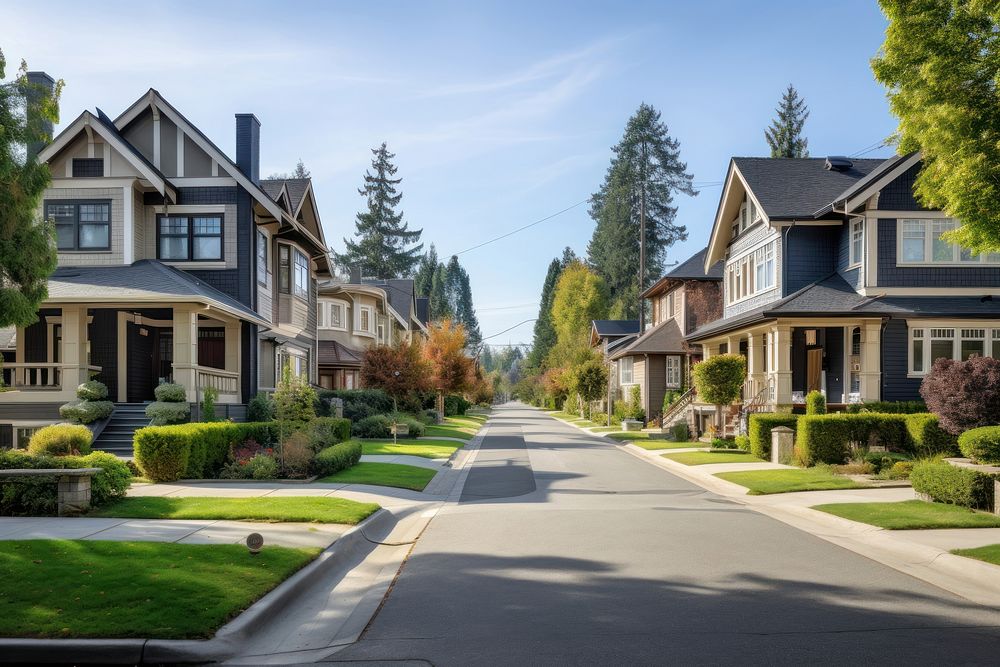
(175, 263)
(838, 280)
(659, 359)
(356, 314)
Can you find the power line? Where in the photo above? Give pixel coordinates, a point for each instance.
(521, 229)
(509, 329)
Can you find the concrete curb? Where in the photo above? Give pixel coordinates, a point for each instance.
(226, 640)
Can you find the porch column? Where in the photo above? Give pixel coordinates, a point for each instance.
(782, 335)
(871, 363)
(233, 353)
(755, 362)
(74, 348)
(17, 377)
(186, 350)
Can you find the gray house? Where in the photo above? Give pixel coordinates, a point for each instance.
(836, 279)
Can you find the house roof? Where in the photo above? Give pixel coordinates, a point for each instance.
(334, 353)
(423, 309)
(615, 327)
(619, 343)
(692, 268)
(665, 338)
(797, 187)
(144, 281)
(296, 189)
(399, 292)
(873, 177)
(834, 297)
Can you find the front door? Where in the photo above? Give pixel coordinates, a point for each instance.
(141, 373)
(814, 369)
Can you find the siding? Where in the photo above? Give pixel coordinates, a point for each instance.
(657, 385)
(737, 250)
(224, 280)
(810, 254)
(895, 385)
(852, 276)
(890, 275)
(898, 195)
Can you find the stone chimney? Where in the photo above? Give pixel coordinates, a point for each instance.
(355, 275)
(248, 145)
(41, 83)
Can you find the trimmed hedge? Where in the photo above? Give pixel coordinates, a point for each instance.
(455, 405)
(37, 496)
(92, 390)
(358, 403)
(61, 440)
(760, 431)
(170, 393)
(927, 438)
(161, 413)
(326, 431)
(827, 438)
(888, 407)
(338, 457)
(953, 485)
(815, 403)
(194, 451)
(981, 444)
(86, 411)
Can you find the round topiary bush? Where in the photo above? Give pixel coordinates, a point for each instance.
(61, 440)
(170, 393)
(981, 444)
(719, 379)
(162, 413)
(92, 390)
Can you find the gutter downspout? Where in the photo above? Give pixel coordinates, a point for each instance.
(784, 261)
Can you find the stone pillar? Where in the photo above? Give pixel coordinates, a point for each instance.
(74, 348)
(782, 444)
(782, 339)
(186, 350)
(871, 363)
(73, 495)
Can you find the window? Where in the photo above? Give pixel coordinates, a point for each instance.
(381, 332)
(751, 274)
(185, 238)
(748, 214)
(673, 372)
(88, 167)
(670, 306)
(930, 344)
(261, 257)
(337, 315)
(296, 360)
(920, 242)
(284, 269)
(300, 285)
(857, 241)
(81, 225)
(366, 319)
(330, 315)
(625, 370)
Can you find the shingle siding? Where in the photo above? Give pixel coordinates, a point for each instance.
(207, 195)
(852, 276)
(895, 385)
(809, 255)
(226, 281)
(898, 195)
(890, 275)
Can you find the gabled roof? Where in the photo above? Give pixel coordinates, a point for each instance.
(399, 292)
(620, 343)
(879, 177)
(144, 281)
(103, 126)
(664, 338)
(692, 268)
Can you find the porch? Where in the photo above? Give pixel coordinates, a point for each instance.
(788, 358)
(129, 349)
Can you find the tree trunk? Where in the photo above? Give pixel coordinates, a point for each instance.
(440, 406)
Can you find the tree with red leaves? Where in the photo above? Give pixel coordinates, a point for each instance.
(963, 394)
(399, 370)
(452, 370)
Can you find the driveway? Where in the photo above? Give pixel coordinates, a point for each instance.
(564, 550)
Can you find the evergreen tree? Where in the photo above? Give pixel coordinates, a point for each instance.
(383, 242)
(545, 333)
(300, 171)
(439, 305)
(486, 359)
(645, 173)
(465, 311)
(27, 244)
(423, 280)
(785, 134)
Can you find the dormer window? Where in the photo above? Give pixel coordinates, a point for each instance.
(748, 214)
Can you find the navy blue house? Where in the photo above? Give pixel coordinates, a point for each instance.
(837, 279)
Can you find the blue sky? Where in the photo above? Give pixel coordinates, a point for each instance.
(499, 113)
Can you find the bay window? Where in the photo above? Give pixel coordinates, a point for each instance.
(921, 242)
(928, 344)
(293, 272)
(81, 225)
(300, 284)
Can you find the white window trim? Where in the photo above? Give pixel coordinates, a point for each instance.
(324, 318)
(621, 371)
(370, 331)
(929, 238)
(672, 384)
(992, 334)
(856, 224)
(750, 258)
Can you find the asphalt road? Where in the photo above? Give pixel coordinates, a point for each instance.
(567, 550)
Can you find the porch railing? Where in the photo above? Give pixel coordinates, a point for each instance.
(758, 402)
(224, 382)
(36, 375)
(678, 406)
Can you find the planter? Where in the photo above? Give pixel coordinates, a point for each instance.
(631, 425)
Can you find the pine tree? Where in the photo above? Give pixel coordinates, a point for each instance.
(423, 279)
(545, 333)
(464, 309)
(383, 242)
(300, 170)
(439, 305)
(785, 134)
(27, 243)
(645, 173)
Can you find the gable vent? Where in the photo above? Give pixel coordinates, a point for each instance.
(837, 163)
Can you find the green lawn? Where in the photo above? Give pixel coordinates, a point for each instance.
(429, 449)
(629, 435)
(69, 588)
(606, 429)
(784, 480)
(912, 514)
(990, 553)
(311, 509)
(447, 430)
(384, 474)
(702, 458)
(568, 416)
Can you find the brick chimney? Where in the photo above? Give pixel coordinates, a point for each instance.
(248, 145)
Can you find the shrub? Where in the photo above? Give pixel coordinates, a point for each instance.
(294, 399)
(260, 408)
(829, 438)
(208, 397)
(195, 451)
(61, 440)
(888, 407)
(415, 426)
(760, 431)
(241, 455)
(981, 444)
(680, 433)
(455, 405)
(360, 403)
(927, 438)
(338, 457)
(953, 485)
(964, 394)
(326, 431)
(85, 411)
(92, 390)
(723, 443)
(297, 454)
(719, 379)
(599, 418)
(899, 470)
(163, 413)
(742, 442)
(815, 403)
(376, 426)
(37, 496)
(263, 466)
(670, 398)
(170, 393)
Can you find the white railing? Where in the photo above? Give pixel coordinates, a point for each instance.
(37, 375)
(224, 382)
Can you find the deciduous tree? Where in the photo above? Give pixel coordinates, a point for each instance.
(963, 394)
(451, 369)
(580, 297)
(399, 370)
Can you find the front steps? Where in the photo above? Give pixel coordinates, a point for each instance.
(116, 438)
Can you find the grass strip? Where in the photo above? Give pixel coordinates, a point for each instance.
(304, 509)
(912, 515)
(785, 480)
(428, 449)
(384, 474)
(704, 458)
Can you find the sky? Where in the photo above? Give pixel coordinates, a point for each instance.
(499, 113)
